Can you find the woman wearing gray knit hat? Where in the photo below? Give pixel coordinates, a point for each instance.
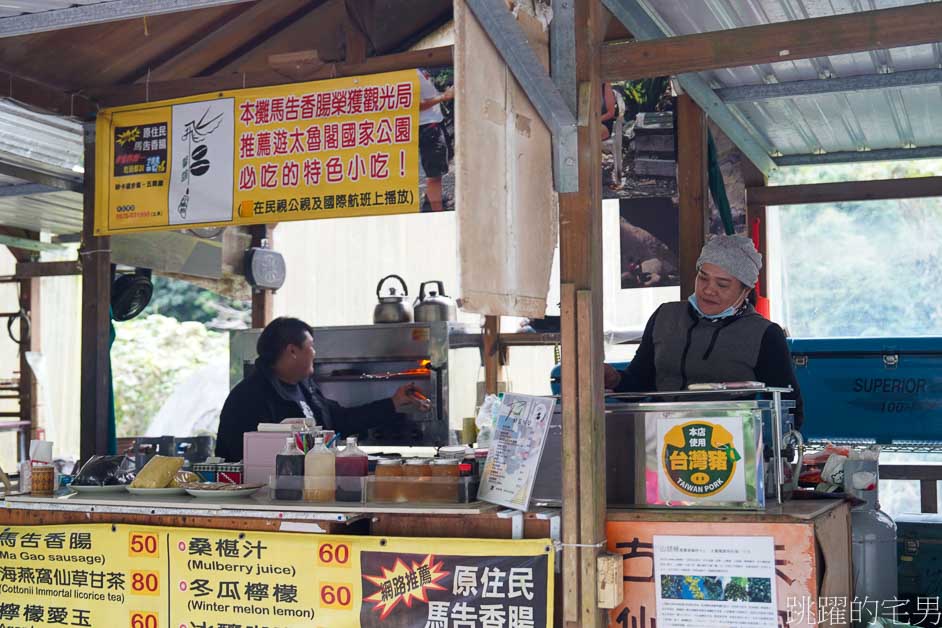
(714, 336)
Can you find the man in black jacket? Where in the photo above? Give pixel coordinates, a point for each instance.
(281, 387)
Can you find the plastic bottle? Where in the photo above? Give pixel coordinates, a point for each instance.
(319, 473)
(352, 465)
(486, 420)
(289, 469)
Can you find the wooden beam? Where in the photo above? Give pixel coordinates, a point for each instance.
(768, 43)
(288, 68)
(490, 344)
(47, 97)
(96, 301)
(692, 188)
(230, 37)
(849, 191)
(263, 301)
(25, 270)
(356, 42)
(755, 179)
(580, 231)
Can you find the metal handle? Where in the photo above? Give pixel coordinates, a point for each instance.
(441, 288)
(379, 286)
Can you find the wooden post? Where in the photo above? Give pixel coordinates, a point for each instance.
(491, 349)
(754, 178)
(29, 341)
(263, 301)
(95, 256)
(580, 230)
(692, 188)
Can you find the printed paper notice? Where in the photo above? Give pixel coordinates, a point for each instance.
(514, 457)
(715, 581)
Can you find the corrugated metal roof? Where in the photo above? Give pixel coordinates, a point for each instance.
(55, 212)
(888, 118)
(9, 8)
(48, 146)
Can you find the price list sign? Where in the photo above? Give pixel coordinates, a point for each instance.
(111, 575)
(80, 576)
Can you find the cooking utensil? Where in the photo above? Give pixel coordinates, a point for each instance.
(436, 306)
(392, 308)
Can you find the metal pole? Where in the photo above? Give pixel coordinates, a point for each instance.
(777, 442)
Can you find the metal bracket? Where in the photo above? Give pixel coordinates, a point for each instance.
(511, 42)
(516, 522)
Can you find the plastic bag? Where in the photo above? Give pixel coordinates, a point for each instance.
(821, 457)
(158, 472)
(833, 472)
(105, 471)
(185, 477)
(486, 419)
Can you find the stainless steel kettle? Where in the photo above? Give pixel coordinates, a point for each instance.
(436, 306)
(392, 308)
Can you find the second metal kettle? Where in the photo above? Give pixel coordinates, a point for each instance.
(392, 308)
(436, 306)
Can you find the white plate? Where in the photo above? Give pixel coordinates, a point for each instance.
(174, 490)
(114, 488)
(221, 494)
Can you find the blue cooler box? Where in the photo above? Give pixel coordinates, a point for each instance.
(885, 389)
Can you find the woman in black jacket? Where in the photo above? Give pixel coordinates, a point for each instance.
(281, 387)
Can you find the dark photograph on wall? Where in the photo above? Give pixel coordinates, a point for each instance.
(649, 235)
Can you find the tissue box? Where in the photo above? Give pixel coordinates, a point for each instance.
(259, 451)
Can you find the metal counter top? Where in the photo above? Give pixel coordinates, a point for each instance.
(257, 507)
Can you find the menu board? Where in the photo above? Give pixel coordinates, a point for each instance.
(516, 448)
(150, 577)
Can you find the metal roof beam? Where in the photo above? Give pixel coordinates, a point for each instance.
(908, 25)
(814, 87)
(511, 42)
(99, 13)
(643, 27)
(25, 189)
(43, 178)
(854, 156)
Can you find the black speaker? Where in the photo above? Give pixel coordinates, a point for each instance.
(130, 294)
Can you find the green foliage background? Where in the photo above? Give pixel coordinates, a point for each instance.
(150, 356)
(862, 268)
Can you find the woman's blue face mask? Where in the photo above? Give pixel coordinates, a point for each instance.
(692, 299)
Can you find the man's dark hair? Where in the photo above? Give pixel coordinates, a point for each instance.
(277, 335)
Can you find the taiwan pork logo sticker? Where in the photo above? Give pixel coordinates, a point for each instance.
(699, 458)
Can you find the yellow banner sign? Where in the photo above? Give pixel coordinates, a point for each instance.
(327, 149)
(150, 577)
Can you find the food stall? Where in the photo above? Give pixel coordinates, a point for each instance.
(624, 550)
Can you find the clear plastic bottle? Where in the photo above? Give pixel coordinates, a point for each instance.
(289, 469)
(352, 465)
(319, 473)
